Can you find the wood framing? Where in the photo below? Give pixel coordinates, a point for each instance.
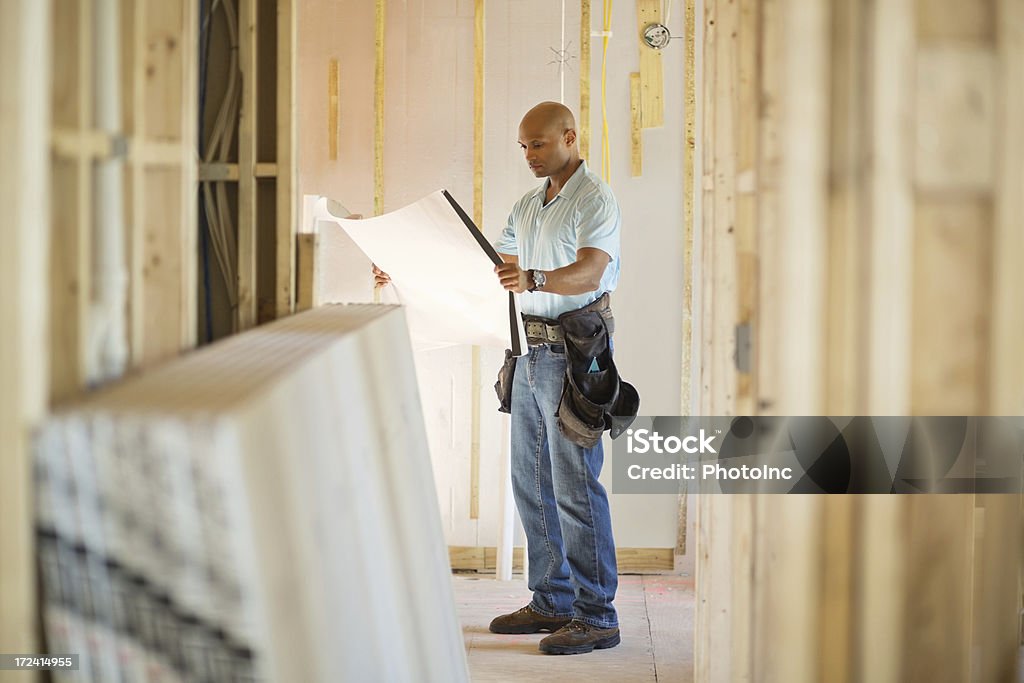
(1006, 383)
(584, 114)
(636, 142)
(286, 201)
(853, 196)
(333, 104)
(25, 45)
(652, 80)
(307, 272)
(70, 273)
(479, 53)
(246, 311)
(380, 12)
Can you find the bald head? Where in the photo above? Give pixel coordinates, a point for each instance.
(550, 116)
(547, 135)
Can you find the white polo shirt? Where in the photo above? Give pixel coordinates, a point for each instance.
(583, 214)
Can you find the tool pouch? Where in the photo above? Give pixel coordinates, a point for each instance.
(503, 387)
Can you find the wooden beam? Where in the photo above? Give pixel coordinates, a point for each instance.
(689, 199)
(25, 101)
(690, 191)
(135, 125)
(380, 10)
(333, 104)
(891, 219)
(651, 72)
(246, 312)
(1007, 366)
(218, 172)
(287, 145)
(187, 153)
(636, 142)
(70, 281)
(584, 115)
(307, 274)
(163, 200)
(479, 43)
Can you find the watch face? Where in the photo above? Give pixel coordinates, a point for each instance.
(539, 279)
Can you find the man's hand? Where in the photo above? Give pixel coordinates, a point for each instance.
(512, 277)
(380, 278)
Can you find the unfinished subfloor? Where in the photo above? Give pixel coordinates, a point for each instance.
(655, 618)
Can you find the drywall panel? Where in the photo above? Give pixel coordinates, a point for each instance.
(269, 486)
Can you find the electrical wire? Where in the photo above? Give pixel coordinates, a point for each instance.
(215, 198)
(204, 54)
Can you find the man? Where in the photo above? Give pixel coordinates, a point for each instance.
(561, 252)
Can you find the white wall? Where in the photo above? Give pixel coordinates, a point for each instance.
(429, 145)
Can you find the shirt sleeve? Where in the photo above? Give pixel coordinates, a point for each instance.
(599, 225)
(506, 243)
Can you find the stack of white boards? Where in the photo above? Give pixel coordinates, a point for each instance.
(261, 509)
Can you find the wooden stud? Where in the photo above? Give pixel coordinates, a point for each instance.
(163, 201)
(187, 153)
(585, 43)
(246, 311)
(69, 283)
(636, 126)
(996, 600)
(835, 608)
(686, 383)
(332, 109)
(708, 581)
(746, 130)
(307, 273)
(479, 37)
(287, 144)
(136, 119)
(689, 199)
(651, 78)
(847, 315)
(949, 368)
(804, 207)
(25, 49)
(936, 596)
(378, 110)
(891, 219)
(723, 282)
(1006, 380)
(769, 170)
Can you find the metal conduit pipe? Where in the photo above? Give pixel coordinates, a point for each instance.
(107, 350)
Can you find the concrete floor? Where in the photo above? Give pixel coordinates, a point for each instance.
(655, 618)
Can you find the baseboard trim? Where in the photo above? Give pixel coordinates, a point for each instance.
(630, 560)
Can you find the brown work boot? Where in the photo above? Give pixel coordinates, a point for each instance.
(578, 637)
(525, 620)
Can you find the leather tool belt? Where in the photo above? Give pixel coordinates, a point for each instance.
(541, 330)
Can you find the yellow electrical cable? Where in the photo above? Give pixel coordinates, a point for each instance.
(606, 153)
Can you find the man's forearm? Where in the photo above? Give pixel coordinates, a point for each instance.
(576, 278)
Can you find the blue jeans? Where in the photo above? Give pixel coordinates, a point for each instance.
(563, 507)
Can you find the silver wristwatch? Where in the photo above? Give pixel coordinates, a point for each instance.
(539, 280)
